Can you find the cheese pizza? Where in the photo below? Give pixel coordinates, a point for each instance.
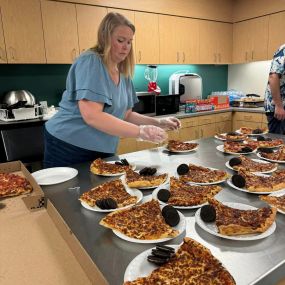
(101, 167)
(13, 185)
(233, 136)
(275, 201)
(144, 222)
(231, 221)
(192, 264)
(239, 147)
(112, 189)
(175, 145)
(278, 155)
(252, 131)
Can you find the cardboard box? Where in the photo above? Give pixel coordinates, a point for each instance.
(34, 200)
(220, 101)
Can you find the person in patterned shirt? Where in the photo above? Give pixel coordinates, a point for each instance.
(274, 103)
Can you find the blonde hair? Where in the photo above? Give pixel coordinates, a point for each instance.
(103, 47)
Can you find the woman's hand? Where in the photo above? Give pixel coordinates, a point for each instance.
(152, 134)
(170, 123)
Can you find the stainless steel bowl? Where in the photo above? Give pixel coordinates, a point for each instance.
(14, 97)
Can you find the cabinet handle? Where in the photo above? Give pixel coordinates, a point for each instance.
(246, 56)
(177, 57)
(215, 57)
(252, 55)
(140, 56)
(202, 133)
(196, 134)
(219, 57)
(183, 56)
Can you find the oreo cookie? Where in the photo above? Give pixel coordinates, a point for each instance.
(157, 260)
(163, 195)
(161, 253)
(260, 138)
(238, 180)
(147, 171)
(208, 213)
(170, 216)
(234, 161)
(106, 204)
(119, 163)
(268, 139)
(266, 150)
(182, 169)
(165, 248)
(232, 134)
(125, 162)
(257, 131)
(246, 149)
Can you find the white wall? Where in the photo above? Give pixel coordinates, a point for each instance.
(249, 77)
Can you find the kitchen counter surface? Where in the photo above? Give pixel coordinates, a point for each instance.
(248, 261)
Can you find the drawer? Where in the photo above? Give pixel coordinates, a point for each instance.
(189, 122)
(245, 116)
(207, 119)
(222, 117)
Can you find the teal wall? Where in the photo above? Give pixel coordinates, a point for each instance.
(47, 81)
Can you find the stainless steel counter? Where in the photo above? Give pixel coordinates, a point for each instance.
(248, 261)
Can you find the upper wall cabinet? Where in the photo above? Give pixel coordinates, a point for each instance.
(147, 38)
(250, 40)
(23, 32)
(88, 20)
(178, 40)
(60, 31)
(215, 42)
(276, 26)
(3, 54)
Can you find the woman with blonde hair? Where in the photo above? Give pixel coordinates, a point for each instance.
(96, 107)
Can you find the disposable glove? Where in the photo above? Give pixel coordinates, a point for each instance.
(170, 123)
(152, 134)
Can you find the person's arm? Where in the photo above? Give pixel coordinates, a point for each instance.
(93, 115)
(274, 83)
(169, 123)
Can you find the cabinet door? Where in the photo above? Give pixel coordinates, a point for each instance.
(60, 31)
(241, 42)
(3, 55)
(88, 21)
(224, 37)
(276, 25)
(23, 32)
(168, 41)
(188, 40)
(189, 134)
(259, 36)
(207, 131)
(223, 127)
(147, 38)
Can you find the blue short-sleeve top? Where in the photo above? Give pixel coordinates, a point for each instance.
(89, 79)
(278, 67)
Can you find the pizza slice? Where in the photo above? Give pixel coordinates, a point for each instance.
(278, 155)
(175, 145)
(239, 147)
(253, 131)
(183, 194)
(135, 180)
(193, 264)
(251, 165)
(231, 221)
(260, 183)
(13, 185)
(275, 201)
(232, 136)
(201, 174)
(144, 222)
(101, 167)
(112, 189)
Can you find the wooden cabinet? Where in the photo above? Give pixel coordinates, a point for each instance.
(223, 122)
(207, 126)
(60, 31)
(275, 35)
(247, 119)
(147, 38)
(215, 42)
(23, 32)
(189, 129)
(250, 40)
(178, 40)
(3, 54)
(88, 21)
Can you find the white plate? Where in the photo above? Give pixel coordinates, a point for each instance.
(255, 160)
(280, 193)
(147, 187)
(221, 148)
(115, 174)
(271, 160)
(238, 131)
(154, 196)
(212, 228)
(54, 175)
(182, 151)
(133, 192)
(247, 191)
(140, 267)
(236, 140)
(180, 227)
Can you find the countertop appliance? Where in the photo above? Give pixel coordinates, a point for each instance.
(19, 98)
(186, 84)
(146, 104)
(167, 104)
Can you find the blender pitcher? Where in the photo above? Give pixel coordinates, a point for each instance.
(150, 74)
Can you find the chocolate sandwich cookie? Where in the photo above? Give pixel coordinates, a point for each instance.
(234, 161)
(170, 215)
(208, 213)
(163, 195)
(182, 169)
(238, 180)
(157, 260)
